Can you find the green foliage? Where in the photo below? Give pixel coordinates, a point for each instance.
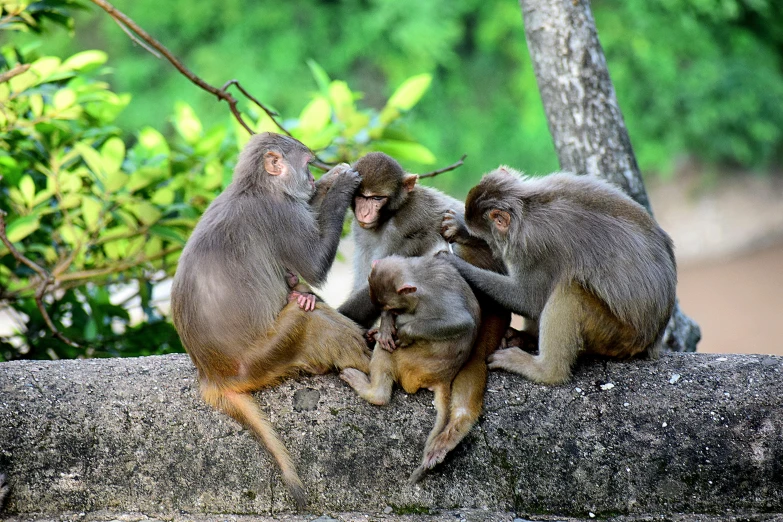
(694, 77)
(105, 220)
(109, 220)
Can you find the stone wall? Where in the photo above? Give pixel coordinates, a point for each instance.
(690, 434)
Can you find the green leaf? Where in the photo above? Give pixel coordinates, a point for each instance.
(410, 92)
(36, 105)
(112, 154)
(23, 82)
(211, 142)
(163, 196)
(44, 67)
(405, 97)
(143, 177)
(91, 157)
(405, 150)
(85, 60)
(187, 123)
(91, 211)
(27, 188)
(153, 141)
(172, 234)
(63, 99)
(315, 116)
(145, 211)
(321, 78)
(21, 227)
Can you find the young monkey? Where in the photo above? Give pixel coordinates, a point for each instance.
(434, 316)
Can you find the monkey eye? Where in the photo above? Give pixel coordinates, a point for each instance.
(378, 198)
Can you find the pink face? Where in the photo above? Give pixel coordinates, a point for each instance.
(367, 208)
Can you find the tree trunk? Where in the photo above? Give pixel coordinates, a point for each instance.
(583, 114)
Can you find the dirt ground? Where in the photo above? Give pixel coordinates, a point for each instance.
(728, 239)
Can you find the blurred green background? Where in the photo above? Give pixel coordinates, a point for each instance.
(696, 77)
(109, 158)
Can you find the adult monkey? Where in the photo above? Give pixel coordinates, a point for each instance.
(233, 298)
(584, 260)
(395, 216)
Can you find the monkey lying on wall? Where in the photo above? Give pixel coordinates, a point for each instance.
(230, 298)
(395, 215)
(434, 316)
(583, 259)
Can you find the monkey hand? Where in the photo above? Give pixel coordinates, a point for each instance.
(305, 301)
(344, 175)
(453, 227)
(385, 340)
(369, 336)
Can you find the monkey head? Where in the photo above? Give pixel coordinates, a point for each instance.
(281, 162)
(492, 205)
(384, 188)
(391, 287)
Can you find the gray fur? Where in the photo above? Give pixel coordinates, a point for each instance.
(568, 228)
(230, 282)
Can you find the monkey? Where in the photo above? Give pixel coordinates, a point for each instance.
(393, 215)
(583, 259)
(434, 316)
(230, 297)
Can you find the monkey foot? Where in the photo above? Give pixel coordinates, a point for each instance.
(509, 359)
(356, 379)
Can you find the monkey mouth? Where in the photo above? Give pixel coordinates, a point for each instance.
(367, 225)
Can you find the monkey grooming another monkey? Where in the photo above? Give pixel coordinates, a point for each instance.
(230, 297)
(583, 259)
(435, 317)
(396, 216)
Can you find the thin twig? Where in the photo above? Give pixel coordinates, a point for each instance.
(16, 71)
(141, 33)
(444, 169)
(46, 282)
(135, 38)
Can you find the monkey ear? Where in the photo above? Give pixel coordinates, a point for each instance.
(501, 218)
(406, 289)
(273, 163)
(409, 181)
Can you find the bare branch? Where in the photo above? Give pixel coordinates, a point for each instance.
(444, 169)
(16, 71)
(46, 281)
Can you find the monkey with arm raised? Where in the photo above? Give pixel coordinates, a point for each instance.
(436, 318)
(396, 216)
(230, 296)
(583, 259)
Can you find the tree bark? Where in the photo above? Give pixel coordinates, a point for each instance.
(583, 114)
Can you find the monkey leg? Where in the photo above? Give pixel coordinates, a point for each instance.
(442, 402)
(559, 342)
(334, 341)
(243, 408)
(377, 388)
(468, 387)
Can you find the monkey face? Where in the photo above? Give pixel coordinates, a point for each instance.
(367, 209)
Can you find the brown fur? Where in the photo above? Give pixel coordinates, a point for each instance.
(409, 224)
(230, 293)
(436, 320)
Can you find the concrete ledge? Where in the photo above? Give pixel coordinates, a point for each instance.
(689, 434)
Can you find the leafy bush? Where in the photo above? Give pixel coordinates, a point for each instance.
(108, 221)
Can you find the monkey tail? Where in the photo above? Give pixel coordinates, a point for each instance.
(442, 403)
(244, 409)
(467, 391)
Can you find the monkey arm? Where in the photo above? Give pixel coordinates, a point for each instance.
(359, 307)
(433, 327)
(502, 288)
(313, 255)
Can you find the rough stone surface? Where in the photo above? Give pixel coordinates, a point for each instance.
(130, 439)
